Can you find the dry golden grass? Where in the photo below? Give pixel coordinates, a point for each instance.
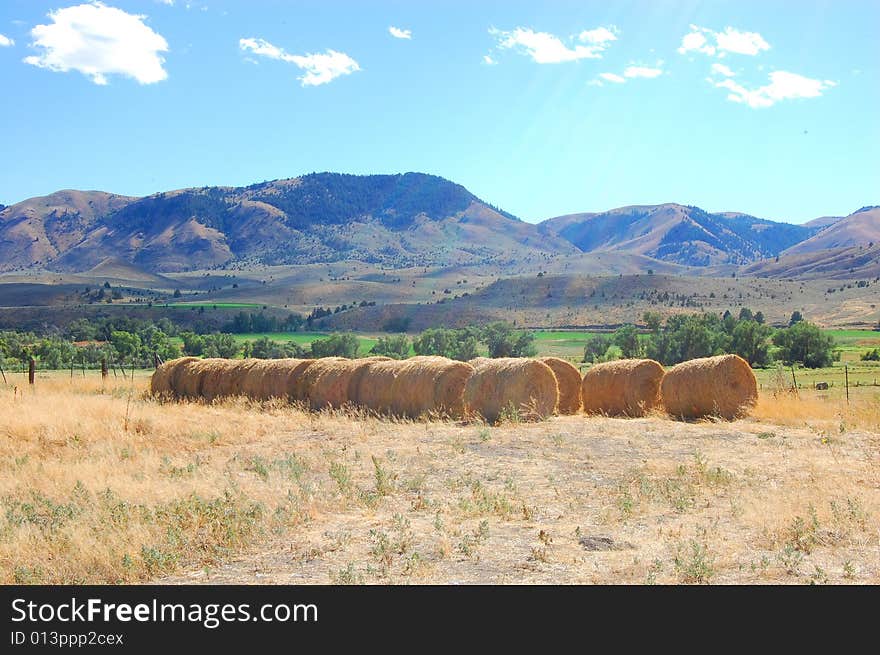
(115, 487)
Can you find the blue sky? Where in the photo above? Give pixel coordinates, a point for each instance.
(542, 108)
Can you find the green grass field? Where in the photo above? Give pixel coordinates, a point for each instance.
(570, 344)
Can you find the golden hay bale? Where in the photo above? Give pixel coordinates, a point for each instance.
(479, 361)
(273, 378)
(449, 388)
(525, 386)
(568, 378)
(224, 378)
(187, 377)
(371, 385)
(162, 380)
(723, 386)
(326, 381)
(429, 384)
(296, 380)
(628, 387)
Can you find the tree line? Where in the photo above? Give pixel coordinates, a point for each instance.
(683, 337)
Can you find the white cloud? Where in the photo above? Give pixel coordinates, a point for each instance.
(642, 71)
(398, 33)
(170, 3)
(487, 59)
(696, 42)
(721, 69)
(546, 48)
(599, 35)
(5, 41)
(611, 77)
(320, 68)
(97, 41)
(783, 86)
(742, 43)
(731, 40)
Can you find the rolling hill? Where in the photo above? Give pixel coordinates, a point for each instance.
(678, 233)
(394, 220)
(861, 228)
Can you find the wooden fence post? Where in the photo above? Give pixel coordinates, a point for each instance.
(32, 369)
(846, 378)
(103, 369)
(2, 372)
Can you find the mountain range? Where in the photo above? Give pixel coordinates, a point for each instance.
(399, 221)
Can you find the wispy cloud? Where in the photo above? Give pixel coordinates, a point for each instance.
(487, 59)
(782, 86)
(98, 41)
(632, 71)
(546, 48)
(5, 41)
(721, 69)
(719, 44)
(642, 71)
(320, 68)
(398, 33)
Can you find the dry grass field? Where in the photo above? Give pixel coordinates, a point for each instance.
(106, 485)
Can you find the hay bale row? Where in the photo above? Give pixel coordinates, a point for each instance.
(722, 386)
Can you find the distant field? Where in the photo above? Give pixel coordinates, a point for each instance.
(570, 344)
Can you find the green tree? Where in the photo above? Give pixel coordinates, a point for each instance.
(871, 356)
(336, 345)
(805, 343)
(193, 344)
(396, 347)
(688, 336)
(156, 341)
(220, 345)
(266, 348)
(627, 339)
(796, 317)
(126, 344)
(454, 344)
(596, 347)
(745, 314)
(751, 342)
(653, 321)
(503, 340)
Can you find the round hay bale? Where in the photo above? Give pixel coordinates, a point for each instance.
(187, 377)
(511, 384)
(273, 378)
(224, 378)
(628, 387)
(449, 388)
(429, 384)
(723, 386)
(479, 361)
(371, 385)
(326, 381)
(161, 382)
(568, 378)
(295, 380)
